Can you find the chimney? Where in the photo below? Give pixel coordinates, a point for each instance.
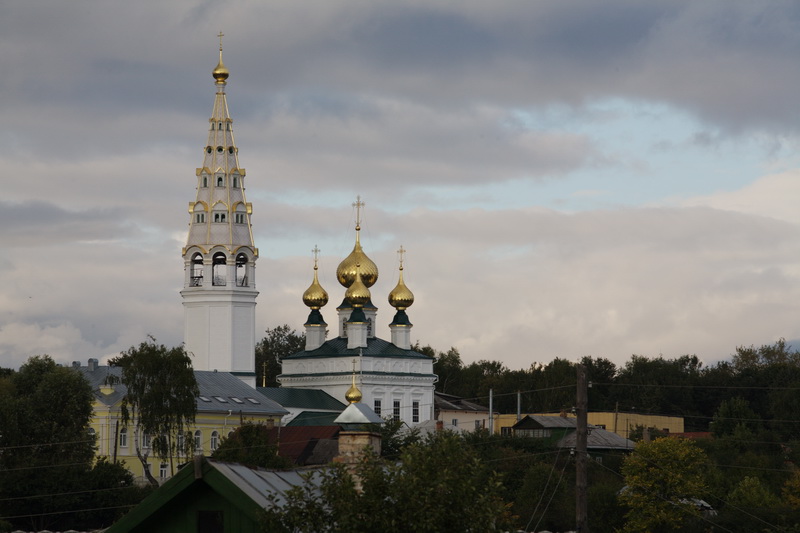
(92, 365)
(76, 364)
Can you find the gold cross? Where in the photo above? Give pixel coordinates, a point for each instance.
(358, 205)
(400, 254)
(354, 366)
(221, 35)
(315, 251)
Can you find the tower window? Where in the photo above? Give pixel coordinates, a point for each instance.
(219, 217)
(241, 270)
(235, 182)
(205, 181)
(200, 218)
(219, 264)
(230, 150)
(220, 181)
(196, 274)
(239, 218)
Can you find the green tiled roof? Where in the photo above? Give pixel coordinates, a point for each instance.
(302, 398)
(375, 348)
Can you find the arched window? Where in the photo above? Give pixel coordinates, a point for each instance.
(241, 270)
(219, 264)
(197, 270)
(205, 180)
(214, 440)
(235, 182)
(199, 218)
(123, 438)
(198, 441)
(181, 444)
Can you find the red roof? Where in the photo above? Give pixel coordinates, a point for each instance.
(297, 442)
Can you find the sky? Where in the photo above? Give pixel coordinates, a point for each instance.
(568, 178)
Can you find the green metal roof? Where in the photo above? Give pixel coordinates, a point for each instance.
(302, 398)
(375, 348)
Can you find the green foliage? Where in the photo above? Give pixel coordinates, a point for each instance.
(277, 344)
(249, 445)
(160, 399)
(438, 485)
(662, 479)
(734, 416)
(395, 437)
(46, 463)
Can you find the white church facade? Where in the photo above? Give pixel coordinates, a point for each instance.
(395, 381)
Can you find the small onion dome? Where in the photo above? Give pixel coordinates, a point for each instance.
(357, 293)
(401, 297)
(353, 395)
(357, 261)
(221, 72)
(315, 296)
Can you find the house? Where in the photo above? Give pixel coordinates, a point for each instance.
(209, 496)
(621, 423)
(224, 403)
(460, 413)
(561, 431)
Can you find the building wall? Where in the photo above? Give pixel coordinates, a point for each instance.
(619, 423)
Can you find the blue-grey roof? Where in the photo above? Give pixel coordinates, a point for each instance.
(375, 348)
(302, 398)
(358, 414)
(313, 418)
(257, 483)
(220, 392)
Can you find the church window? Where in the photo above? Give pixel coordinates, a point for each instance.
(377, 407)
(228, 126)
(230, 151)
(220, 217)
(162, 471)
(196, 274)
(239, 218)
(220, 125)
(220, 149)
(209, 149)
(415, 412)
(219, 263)
(198, 440)
(241, 270)
(220, 181)
(123, 438)
(396, 410)
(199, 218)
(205, 181)
(235, 182)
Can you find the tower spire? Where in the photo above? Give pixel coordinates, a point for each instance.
(219, 295)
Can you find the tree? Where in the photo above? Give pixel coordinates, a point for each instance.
(438, 485)
(278, 343)
(734, 415)
(663, 479)
(160, 400)
(47, 452)
(249, 444)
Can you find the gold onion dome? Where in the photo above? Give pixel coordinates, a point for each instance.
(315, 296)
(357, 263)
(357, 293)
(353, 395)
(401, 297)
(221, 72)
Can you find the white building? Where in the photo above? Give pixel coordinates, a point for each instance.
(395, 381)
(219, 290)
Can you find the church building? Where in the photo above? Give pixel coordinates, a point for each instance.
(219, 289)
(395, 381)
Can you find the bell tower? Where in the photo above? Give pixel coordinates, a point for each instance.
(219, 288)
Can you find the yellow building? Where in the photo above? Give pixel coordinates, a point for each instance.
(225, 402)
(617, 422)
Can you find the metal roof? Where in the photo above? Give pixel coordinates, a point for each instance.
(375, 348)
(302, 398)
(220, 392)
(314, 418)
(257, 483)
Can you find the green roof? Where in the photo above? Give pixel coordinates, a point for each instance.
(302, 398)
(314, 418)
(375, 348)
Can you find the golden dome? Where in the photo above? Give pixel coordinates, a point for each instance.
(401, 297)
(221, 72)
(315, 296)
(353, 395)
(357, 293)
(357, 261)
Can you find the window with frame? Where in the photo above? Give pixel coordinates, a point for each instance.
(199, 218)
(162, 471)
(454, 422)
(377, 407)
(396, 410)
(123, 438)
(235, 182)
(146, 438)
(220, 217)
(239, 218)
(415, 411)
(198, 441)
(478, 424)
(214, 440)
(205, 182)
(181, 444)
(220, 181)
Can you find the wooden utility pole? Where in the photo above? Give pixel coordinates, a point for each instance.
(581, 456)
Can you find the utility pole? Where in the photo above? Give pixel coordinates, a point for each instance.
(581, 456)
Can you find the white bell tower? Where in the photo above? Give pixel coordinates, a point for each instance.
(219, 289)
